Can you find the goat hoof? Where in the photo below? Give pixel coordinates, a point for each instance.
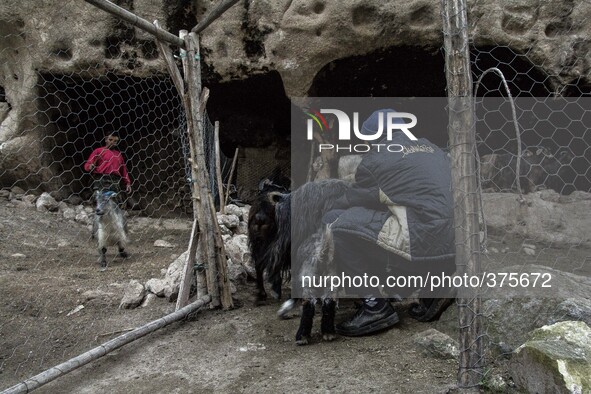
(329, 337)
(286, 307)
(123, 255)
(302, 341)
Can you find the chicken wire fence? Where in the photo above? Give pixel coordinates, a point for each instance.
(532, 119)
(61, 93)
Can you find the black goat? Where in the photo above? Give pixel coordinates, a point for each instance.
(298, 227)
(262, 229)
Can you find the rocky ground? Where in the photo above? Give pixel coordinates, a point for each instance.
(48, 270)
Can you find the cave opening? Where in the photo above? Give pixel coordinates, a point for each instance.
(75, 115)
(254, 116)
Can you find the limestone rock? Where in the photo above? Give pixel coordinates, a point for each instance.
(245, 210)
(160, 243)
(148, 300)
(83, 218)
(236, 272)
(540, 219)
(556, 359)
(230, 221)
(69, 214)
(17, 190)
(133, 296)
(156, 286)
(235, 210)
(29, 199)
(511, 316)
(242, 228)
(238, 251)
(46, 203)
(437, 344)
(173, 276)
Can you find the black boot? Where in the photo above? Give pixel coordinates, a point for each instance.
(368, 320)
(429, 309)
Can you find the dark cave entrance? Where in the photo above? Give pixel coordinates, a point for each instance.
(77, 113)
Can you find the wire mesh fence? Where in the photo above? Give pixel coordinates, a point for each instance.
(66, 84)
(60, 96)
(533, 152)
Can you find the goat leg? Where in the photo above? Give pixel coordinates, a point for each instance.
(261, 295)
(327, 327)
(103, 258)
(276, 287)
(122, 252)
(305, 330)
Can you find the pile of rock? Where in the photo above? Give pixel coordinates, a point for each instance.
(233, 226)
(72, 209)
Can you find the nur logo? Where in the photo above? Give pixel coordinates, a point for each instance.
(387, 121)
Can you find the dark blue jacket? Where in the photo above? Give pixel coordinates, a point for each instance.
(402, 201)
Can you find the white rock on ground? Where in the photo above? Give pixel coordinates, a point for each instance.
(133, 296)
(160, 243)
(156, 286)
(237, 249)
(556, 359)
(437, 344)
(46, 203)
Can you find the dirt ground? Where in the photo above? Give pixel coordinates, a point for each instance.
(244, 350)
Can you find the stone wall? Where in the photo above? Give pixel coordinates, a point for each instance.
(296, 39)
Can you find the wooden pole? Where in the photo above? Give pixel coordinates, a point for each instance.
(193, 83)
(464, 185)
(53, 373)
(218, 167)
(187, 274)
(231, 175)
(222, 263)
(177, 79)
(213, 15)
(136, 21)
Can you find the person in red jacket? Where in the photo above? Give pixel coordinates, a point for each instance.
(108, 165)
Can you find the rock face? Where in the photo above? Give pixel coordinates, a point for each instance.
(556, 359)
(509, 319)
(297, 39)
(545, 216)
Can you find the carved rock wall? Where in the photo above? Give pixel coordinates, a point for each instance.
(296, 38)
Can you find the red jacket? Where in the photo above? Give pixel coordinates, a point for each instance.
(108, 162)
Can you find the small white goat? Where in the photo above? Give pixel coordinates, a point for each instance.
(110, 225)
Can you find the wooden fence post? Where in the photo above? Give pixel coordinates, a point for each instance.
(464, 184)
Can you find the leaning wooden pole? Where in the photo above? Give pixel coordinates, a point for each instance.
(207, 228)
(187, 273)
(59, 370)
(231, 176)
(213, 15)
(218, 167)
(136, 21)
(464, 184)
